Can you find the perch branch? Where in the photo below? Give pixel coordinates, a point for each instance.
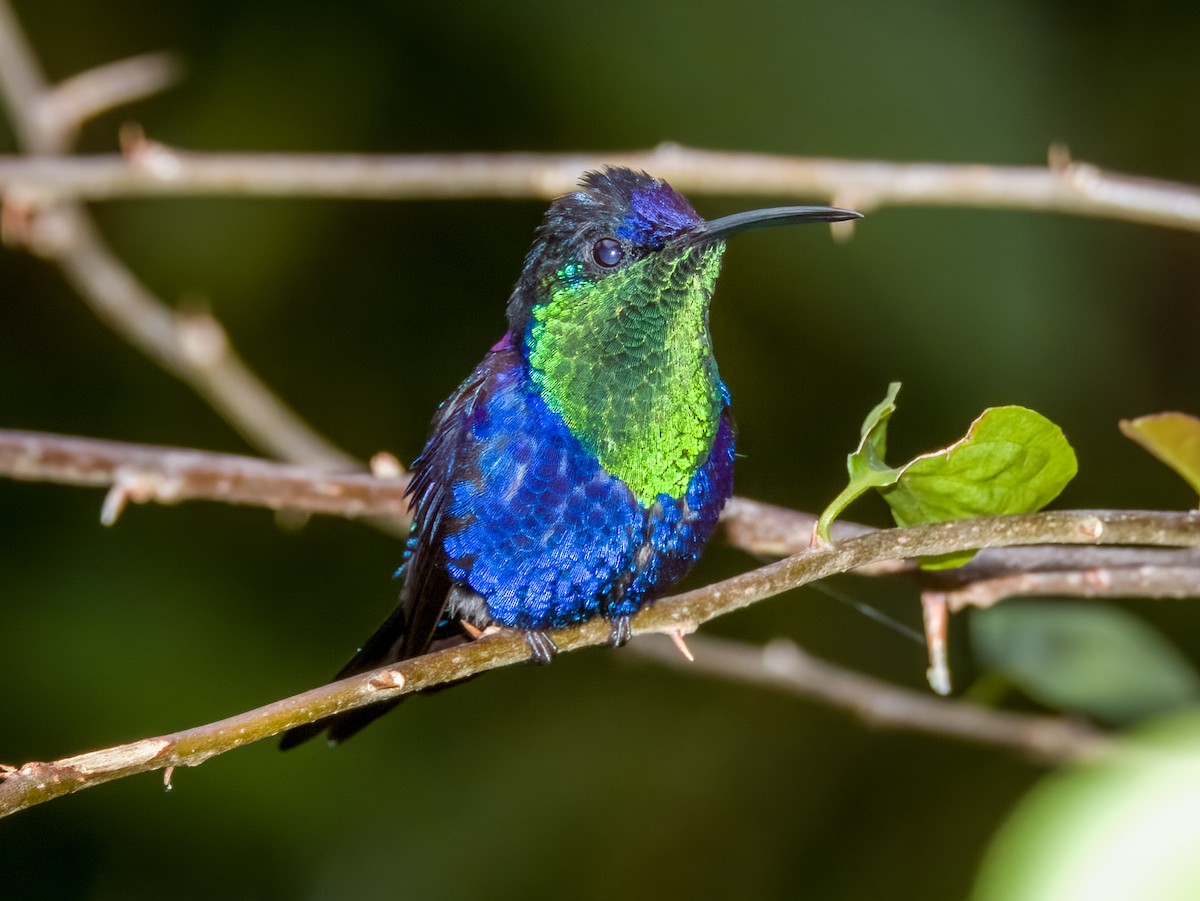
(36, 782)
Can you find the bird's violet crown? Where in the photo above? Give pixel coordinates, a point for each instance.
(641, 211)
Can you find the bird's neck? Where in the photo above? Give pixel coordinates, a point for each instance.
(630, 370)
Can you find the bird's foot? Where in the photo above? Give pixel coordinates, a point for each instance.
(621, 631)
(541, 648)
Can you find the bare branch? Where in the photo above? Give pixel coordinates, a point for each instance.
(88, 94)
(36, 782)
(783, 665)
(23, 87)
(169, 475)
(776, 531)
(146, 473)
(1144, 580)
(155, 170)
(193, 348)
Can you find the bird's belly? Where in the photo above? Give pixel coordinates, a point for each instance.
(545, 537)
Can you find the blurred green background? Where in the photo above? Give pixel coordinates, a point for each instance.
(601, 774)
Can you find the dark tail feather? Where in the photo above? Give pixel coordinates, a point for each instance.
(390, 644)
(382, 648)
(341, 726)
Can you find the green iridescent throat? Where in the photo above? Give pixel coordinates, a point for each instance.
(626, 360)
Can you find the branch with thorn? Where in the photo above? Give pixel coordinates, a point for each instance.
(36, 782)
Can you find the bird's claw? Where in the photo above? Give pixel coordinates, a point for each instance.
(541, 647)
(621, 631)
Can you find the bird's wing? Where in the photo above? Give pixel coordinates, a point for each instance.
(419, 616)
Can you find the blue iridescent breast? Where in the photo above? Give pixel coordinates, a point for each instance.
(543, 534)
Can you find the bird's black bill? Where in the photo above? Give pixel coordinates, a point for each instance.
(720, 229)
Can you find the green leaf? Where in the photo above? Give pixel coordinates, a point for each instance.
(1091, 658)
(1172, 437)
(1123, 827)
(866, 465)
(1012, 460)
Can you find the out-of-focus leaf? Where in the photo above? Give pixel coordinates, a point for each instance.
(1090, 658)
(1172, 437)
(1124, 827)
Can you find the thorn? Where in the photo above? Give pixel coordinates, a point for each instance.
(114, 503)
(677, 637)
(153, 157)
(28, 221)
(473, 631)
(127, 486)
(386, 466)
(131, 138)
(289, 520)
(1058, 158)
(937, 620)
(167, 774)
(17, 210)
(842, 231)
(202, 340)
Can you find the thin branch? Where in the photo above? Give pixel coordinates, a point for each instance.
(82, 97)
(783, 665)
(1064, 186)
(193, 348)
(776, 531)
(141, 473)
(1143, 580)
(167, 475)
(36, 782)
(23, 88)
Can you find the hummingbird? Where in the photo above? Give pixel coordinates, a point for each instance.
(581, 468)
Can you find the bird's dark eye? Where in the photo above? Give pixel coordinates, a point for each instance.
(608, 252)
